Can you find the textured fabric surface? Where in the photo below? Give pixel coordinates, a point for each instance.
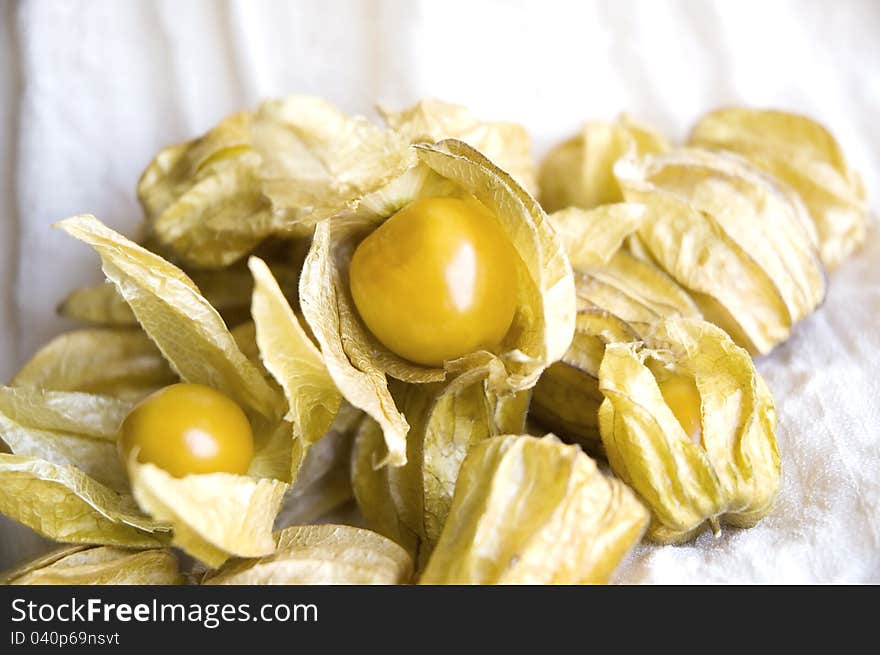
(91, 89)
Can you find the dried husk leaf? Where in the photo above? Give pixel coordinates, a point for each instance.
(63, 503)
(580, 171)
(215, 515)
(712, 218)
(534, 511)
(203, 199)
(508, 145)
(461, 417)
(804, 155)
(101, 565)
(316, 161)
(90, 415)
(186, 328)
(323, 482)
(122, 363)
(732, 474)
(446, 420)
(608, 276)
(294, 361)
(542, 327)
(634, 290)
(322, 554)
(65, 428)
(591, 237)
(228, 290)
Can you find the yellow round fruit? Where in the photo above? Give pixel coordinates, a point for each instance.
(189, 429)
(436, 281)
(683, 398)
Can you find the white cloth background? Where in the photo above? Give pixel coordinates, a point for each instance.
(92, 89)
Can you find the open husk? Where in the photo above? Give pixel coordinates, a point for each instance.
(360, 366)
(213, 516)
(294, 361)
(186, 328)
(730, 473)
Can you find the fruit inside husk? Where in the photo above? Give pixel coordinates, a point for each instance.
(189, 429)
(436, 281)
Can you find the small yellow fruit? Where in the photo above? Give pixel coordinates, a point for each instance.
(437, 280)
(683, 398)
(189, 429)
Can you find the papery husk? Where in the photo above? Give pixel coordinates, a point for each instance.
(508, 145)
(634, 290)
(712, 218)
(592, 237)
(542, 326)
(804, 155)
(322, 554)
(371, 486)
(316, 161)
(409, 504)
(203, 198)
(608, 276)
(532, 510)
(65, 479)
(99, 565)
(228, 290)
(580, 171)
(186, 328)
(218, 515)
(63, 503)
(121, 363)
(66, 428)
(272, 173)
(732, 474)
(215, 515)
(294, 361)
